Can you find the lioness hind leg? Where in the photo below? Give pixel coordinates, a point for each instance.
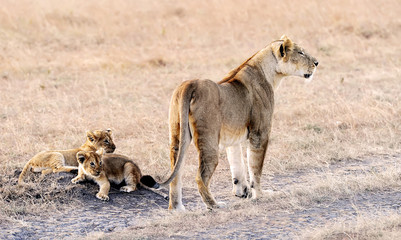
(207, 145)
(207, 164)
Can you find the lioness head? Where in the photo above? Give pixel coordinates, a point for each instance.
(293, 60)
(101, 139)
(91, 162)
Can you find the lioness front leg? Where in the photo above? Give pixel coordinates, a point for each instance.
(238, 171)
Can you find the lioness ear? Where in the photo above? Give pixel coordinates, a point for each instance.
(100, 152)
(109, 131)
(81, 157)
(90, 136)
(286, 47)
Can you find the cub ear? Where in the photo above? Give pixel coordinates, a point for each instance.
(81, 157)
(90, 136)
(108, 131)
(100, 152)
(285, 47)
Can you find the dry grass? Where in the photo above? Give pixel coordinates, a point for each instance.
(71, 66)
(375, 226)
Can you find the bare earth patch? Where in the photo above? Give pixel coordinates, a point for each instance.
(293, 209)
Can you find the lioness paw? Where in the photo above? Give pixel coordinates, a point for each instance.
(102, 196)
(221, 205)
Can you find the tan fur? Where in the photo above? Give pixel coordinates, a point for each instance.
(238, 109)
(65, 160)
(110, 168)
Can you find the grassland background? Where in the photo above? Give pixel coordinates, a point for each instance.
(70, 66)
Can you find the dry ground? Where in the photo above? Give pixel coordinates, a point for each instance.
(334, 156)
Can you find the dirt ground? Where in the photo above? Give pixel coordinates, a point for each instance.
(332, 170)
(88, 217)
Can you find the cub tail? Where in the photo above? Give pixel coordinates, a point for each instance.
(149, 181)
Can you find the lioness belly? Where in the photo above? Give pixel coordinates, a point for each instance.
(230, 136)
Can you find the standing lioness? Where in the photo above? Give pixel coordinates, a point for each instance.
(237, 109)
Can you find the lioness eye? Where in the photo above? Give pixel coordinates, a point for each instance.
(106, 141)
(301, 53)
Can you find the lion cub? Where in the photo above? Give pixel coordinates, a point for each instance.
(65, 160)
(113, 168)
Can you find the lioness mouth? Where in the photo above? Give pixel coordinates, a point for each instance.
(307, 75)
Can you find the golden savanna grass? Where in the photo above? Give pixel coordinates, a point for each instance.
(70, 66)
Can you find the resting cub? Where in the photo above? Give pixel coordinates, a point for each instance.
(113, 168)
(65, 160)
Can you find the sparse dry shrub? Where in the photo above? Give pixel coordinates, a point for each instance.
(36, 197)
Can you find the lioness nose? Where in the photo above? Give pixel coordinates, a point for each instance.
(316, 63)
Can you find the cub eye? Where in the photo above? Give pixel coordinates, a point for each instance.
(92, 164)
(100, 164)
(106, 141)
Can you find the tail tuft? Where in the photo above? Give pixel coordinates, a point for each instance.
(149, 181)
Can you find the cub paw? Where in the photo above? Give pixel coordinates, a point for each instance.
(102, 196)
(76, 180)
(127, 189)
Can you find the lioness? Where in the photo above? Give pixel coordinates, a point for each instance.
(113, 168)
(239, 108)
(65, 160)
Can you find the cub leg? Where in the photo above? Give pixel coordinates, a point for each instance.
(238, 171)
(44, 173)
(65, 169)
(131, 176)
(80, 177)
(104, 185)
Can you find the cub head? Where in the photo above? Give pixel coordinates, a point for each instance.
(91, 162)
(101, 139)
(293, 60)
